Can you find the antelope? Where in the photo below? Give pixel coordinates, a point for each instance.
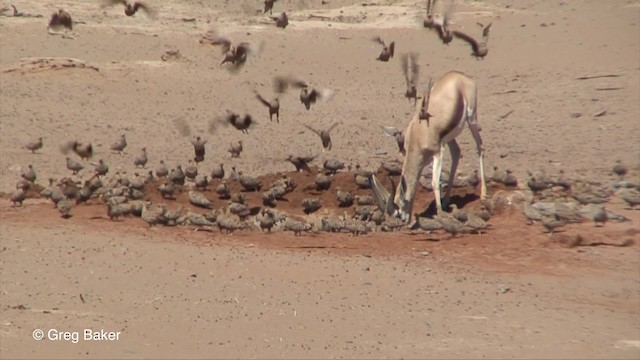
(451, 103)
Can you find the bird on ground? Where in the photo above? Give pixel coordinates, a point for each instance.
(281, 20)
(620, 169)
(198, 148)
(74, 166)
(235, 149)
(141, 159)
(29, 174)
(34, 145)
(218, 172)
(119, 145)
(198, 199)
(333, 166)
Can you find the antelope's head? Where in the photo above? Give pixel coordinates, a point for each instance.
(392, 203)
(401, 203)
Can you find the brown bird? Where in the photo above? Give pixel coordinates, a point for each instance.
(268, 6)
(59, 19)
(411, 78)
(85, 151)
(198, 147)
(119, 145)
(34, 145)
(131, 8)
(480, 49)
(235, 149)
(281, 20)
(301, 162)
(619, 168)
(308, 95)
(387, 51)
(325, 135)
(398, 135)
(235, 55)
(273, 105)
(240, 123)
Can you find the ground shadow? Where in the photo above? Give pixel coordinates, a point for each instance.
(459, 200)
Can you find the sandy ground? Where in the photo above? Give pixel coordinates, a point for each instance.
(513, 292)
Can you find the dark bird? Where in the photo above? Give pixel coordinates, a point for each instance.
(198, 148)
(281, 20)
(85, 151)
(325, 135)
(480, 49)
(308, 95)
(411, 78)
(242, 123)
(60, 19)
(387, 51)
(235, 55)
(268, 6)
(273, 105)
(301, 162)
(131, 8)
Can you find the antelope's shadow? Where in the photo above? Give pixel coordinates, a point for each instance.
(459, 200)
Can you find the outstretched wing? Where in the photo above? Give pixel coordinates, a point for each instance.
(333, 126)
(379, 40)
(485, 33)
(144, 7)
(113, 2)
(404, 64)
(467, 38)
(262, 100)
(381, 194)
(223, 41)
(392, 47)
(312, 129)
(390, 131)
(415, 68)
(281, 83)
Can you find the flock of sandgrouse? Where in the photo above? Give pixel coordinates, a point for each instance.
(124, 195)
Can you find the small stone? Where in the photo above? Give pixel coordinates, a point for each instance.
(424, 253)
(503, 289)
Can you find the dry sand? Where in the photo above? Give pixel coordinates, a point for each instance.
(513, 292)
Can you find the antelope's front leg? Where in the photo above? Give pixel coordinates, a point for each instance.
(454, 149)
